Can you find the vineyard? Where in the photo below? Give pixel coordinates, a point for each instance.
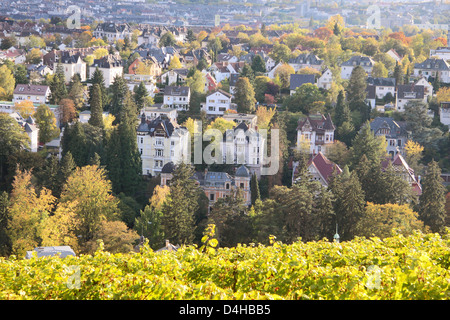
(398, 267)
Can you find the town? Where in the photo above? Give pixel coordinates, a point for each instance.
(144, 121)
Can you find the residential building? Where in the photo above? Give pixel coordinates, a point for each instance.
(394, 132)
(315, 133)
(444, 113)
(110, 66)
(305, 60)
(161, 141)
(297, 80)
(432, 67)
(325, 80)
(72, 65)
(320, 168)
(408, 92)
(31, 92)
(366, 63)
(216, 185)
(217, 103)
(394, 55)
(244, 145)
(251, 120)
(383, 86)
(174, 76)
(112, 31)
(427, 87)
(177, 97)
(157, 110)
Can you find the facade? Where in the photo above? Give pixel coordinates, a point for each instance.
(402, 168)
(217, 103)
(427, 87)
(325, 80)
(444, 113)
(315, 133)
(112, 31)
(394, 131)
(161, 141)
(174, 76)
(244, 145)
(157, 110)
(432, 67)
(366, 63)
(110, 66)
(177, 97)
(72, 64)
(31, 92)
(383, 86)
(408, 92)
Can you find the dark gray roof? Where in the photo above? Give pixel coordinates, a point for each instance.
(176, 91)
(299, 79)
(384, 82)
(234, 77)
(158, 126)
(242, 171)
(169, 167)
(433, 64)
(108, 61)
(410, 91)
(396, 128)
(359, 61)
(306, 58)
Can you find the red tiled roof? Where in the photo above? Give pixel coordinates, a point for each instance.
(324, 166)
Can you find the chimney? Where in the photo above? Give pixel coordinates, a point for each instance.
(168, 245)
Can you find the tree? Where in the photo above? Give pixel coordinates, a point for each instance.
(34, 56)
(167, 40)
(232, 223)
(379, 220)
(140, 96)
(20, 74)
(398, 74)
(27, 213)
(413, 152)
(7, 83)
(432, 200)
(196, 83)
(97, 78)
(12, 139)
(356, 90)
(258, 64)
(76, 93)
(96, 118)
(58, 85)
(67, 112)
(348, 204)
(280, 53)
(306, 99)
(25, 108)
(379, 70)
(46, 121)
(175, 63)
(116, 237)
(179, 209)
(119, 89)
(366, 143)
(254, 189)
(244, 96)
(91, 193)
(284, 73)
(123, 157)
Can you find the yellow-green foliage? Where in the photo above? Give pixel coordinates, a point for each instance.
(397, 267)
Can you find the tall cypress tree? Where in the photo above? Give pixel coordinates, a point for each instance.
(118, 89)
(58, 85)
(97, 78)
(140, 93)
(356, 89)
(432, 200)
(124, 160)
(96, 118)
(366, 143)
(254, 189)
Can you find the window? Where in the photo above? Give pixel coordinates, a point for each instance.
(159, 153)
(211, 197)
(227, 186)
(241, 185)
(391, 142)
(142, 140)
